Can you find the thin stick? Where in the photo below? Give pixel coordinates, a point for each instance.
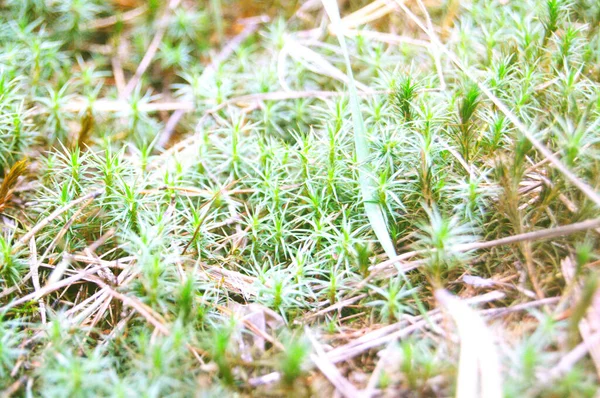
(496, 312)
(145, 63)
(387, 334)
(535, 235)
(584, 187)
(102, 23)
(151, 51)
(336, 306)
(166, 134)
(378, 337)
(344, 353)
(528, 236)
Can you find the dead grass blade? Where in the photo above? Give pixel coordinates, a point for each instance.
(386, 334)
(372, 11)
(329, 370)
(385, 37)
(397, 330)
(34, 265)
(575, 355)
(336, 306)
(479, 372)
(317, 63)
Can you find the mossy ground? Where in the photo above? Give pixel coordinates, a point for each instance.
(183, 199)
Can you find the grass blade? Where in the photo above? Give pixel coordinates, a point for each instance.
(479, 365)
(374, 213)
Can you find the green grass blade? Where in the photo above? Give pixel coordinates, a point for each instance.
(372, 209)
(374, 213)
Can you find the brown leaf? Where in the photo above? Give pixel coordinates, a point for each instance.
(10, 180)
(87, 125)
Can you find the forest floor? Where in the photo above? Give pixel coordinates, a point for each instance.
(299, 198)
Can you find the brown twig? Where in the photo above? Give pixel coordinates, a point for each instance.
(107, 22)
(152, 49)
(14, 387)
